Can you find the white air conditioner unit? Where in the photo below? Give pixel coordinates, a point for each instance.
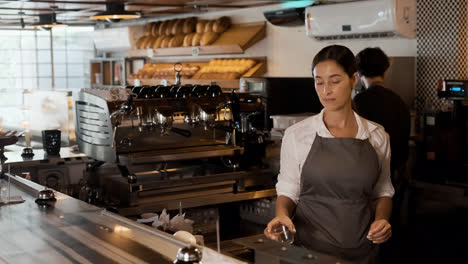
(367, 18)
(117, 39)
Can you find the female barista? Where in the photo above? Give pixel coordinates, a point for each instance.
(334, 187)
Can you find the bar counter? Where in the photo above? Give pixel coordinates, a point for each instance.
(72, 231)
(13, 155)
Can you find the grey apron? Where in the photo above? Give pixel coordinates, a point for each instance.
(333, 214)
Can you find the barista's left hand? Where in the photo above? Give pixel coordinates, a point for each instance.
(380, 231)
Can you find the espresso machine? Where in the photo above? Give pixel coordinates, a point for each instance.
(171, 143)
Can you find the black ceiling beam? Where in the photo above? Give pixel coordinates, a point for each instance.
(25, 15)
(42, 9)
(99, 2)
(141, 3)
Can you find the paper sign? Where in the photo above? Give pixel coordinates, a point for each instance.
(195, 51)
(150, 53)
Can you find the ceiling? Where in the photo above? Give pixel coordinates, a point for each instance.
(76, 12)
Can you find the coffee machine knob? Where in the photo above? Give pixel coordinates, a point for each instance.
(132, 179)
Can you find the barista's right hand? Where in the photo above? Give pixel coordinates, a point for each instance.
(279, 220)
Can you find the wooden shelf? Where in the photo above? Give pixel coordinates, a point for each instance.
(107, 72)
(225, 84)
(234, 41)
(256, 71)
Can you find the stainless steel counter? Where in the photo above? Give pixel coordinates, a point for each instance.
(272, 252)
(76, 232)
(13, 155)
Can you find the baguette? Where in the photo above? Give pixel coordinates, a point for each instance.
(170, 24)
(140, 42)
(155, 29)
(151, 26)
(208, 38)
(209, 26)
(150, 42)
(190, 25)
(201, 26)
(176, 41)
(188, 39)
(196, 39)
(165, 42)
(162, 28)
(178, 27)
(145, 43)
(157, 43)
(221, 24)
(148, 29)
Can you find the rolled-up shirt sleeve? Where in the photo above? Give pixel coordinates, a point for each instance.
(383, 186)
(289, 176)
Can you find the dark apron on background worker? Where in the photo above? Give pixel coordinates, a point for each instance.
(334, 211)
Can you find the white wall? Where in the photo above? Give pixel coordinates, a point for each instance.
(290, 52)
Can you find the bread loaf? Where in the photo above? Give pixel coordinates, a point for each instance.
(170, 24)
(149, 73)
(155, 29)
(165, 42)
(162, 28)
(150, 42)
(148, 29)
(157, 43)
(188, 39)
(176, 41)
(147, 41)
(196, 39)
(178, 27)
(201, 26)
(208, 38)
(209, 26)
(189, 25)
(221, 24)
(226, 69)
(193, 69)
(140, 42)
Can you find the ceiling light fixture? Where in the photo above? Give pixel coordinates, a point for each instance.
(47, 21)
(115, 12)
(21, 13)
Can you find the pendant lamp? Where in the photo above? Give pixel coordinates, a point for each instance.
(47, 21)
(115, 11)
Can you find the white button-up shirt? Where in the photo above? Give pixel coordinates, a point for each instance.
(298, 140)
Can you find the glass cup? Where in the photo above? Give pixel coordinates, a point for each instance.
(282, 234)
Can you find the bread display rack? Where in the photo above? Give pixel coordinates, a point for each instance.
(203, 73)
(235, 40)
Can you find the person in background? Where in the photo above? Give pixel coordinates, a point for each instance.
(334, 188)
(380, 104)
(383, 106)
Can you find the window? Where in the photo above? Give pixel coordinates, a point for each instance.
(55, 60)
(39, 60)
(73, 49)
